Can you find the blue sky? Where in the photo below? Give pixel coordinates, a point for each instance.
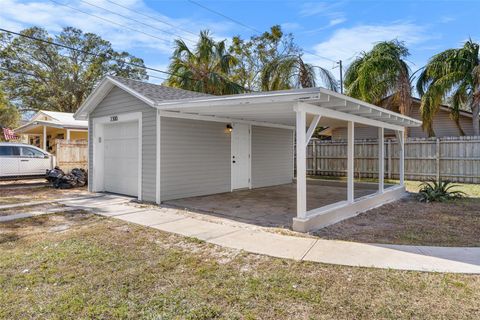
(328, 31)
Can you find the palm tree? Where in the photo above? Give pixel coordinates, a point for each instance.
(291, 71)
(454, 72)
(381, 73)
(205, 69)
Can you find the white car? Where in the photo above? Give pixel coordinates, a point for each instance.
(18, 160)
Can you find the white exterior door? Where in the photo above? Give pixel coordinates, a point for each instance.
(121, 158)
(240, 156)
(34, 162)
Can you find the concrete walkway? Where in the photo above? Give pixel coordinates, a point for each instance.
(261, 241)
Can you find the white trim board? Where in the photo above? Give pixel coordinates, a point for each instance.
(173, 114)
(158, 197)
(98, 151)
(329, 113)
(101, 91)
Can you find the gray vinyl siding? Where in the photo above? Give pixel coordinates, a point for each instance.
(272, 156)
(194, 158)
(443, 126)
(117, 102)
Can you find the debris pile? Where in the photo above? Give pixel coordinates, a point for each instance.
(58, 178)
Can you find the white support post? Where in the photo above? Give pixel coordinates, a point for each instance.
(45, 138)
(401, 160)
(301, 165)
(350, 161)
(312, 127)
(381, 160)
(68, 134)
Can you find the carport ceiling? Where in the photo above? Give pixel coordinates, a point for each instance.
(278, 107)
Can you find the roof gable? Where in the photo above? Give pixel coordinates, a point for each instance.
(149, 93)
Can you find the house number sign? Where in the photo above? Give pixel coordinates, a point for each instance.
(114, 118)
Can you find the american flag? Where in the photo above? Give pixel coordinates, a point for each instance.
(9, 134)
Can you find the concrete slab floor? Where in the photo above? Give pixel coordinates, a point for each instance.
(270, 206)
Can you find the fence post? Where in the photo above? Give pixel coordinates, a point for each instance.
(389, 151)
(437, 159)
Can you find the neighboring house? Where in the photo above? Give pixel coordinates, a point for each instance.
(443, 125)
(158, 143)
(47, 126)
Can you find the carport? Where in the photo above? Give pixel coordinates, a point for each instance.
(302, 111)
(162, 144)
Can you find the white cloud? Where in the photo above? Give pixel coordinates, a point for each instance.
(291, 26)
(346, 43)
(446, 19)
(318, 8)
(16, 15)
(327, 11)
(336, 21)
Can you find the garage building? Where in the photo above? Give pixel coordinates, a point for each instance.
(158, 143)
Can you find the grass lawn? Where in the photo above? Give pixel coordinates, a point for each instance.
(23, 195)
(79, 265)
(454, 223)
(471, 190)
(407, 221)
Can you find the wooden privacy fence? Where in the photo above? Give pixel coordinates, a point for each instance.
(71, 154)
(454, 158)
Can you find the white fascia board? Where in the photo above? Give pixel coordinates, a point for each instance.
(192, 116)
(413, 122)
(270, 97)
(329, 113)
(37, 123)
(93, 99)
(100, 92)
(132, 92)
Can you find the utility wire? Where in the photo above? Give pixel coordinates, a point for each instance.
(70, 57)
(86, 52)
(19, 72)
(110, 21)
(225, 16)
(249, 27)
(150, 17)
(32, 75)
(137, 21)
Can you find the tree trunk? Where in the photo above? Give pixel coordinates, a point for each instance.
(476, 119)
(456, 118)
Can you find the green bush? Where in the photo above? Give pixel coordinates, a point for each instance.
(433, 190)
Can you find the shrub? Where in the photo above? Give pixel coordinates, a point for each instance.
(433, 190)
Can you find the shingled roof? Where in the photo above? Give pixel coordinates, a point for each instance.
(157, 92)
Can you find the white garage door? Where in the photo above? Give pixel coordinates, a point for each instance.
(121, 158)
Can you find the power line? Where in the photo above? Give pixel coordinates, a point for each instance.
(225, 16)
(70, 57)
(137, 21)
(19, 72)
(249, 27)
(109, 21)
(87, 53)
(33, 75)
(150, 17)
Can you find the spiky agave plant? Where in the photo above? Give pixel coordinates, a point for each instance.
(431, 191)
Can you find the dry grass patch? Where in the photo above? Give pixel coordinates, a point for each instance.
(25, 195)
(77, 265)
(29, 209)
(407, 221)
